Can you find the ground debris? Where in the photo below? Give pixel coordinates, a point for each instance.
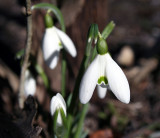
(20, 126)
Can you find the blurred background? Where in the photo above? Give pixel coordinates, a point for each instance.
(134, 44)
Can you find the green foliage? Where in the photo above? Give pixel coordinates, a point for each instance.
(43, 75)
(108, 29)
(19, 54)
(55, 120)
(63, 118)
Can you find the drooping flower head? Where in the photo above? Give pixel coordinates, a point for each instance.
(58, 102)
(104, 72)
(29, 84)
(54, 40)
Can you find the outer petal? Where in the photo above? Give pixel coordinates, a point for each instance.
(57, 102)
(89, 81)
(117, 80)
(67, 42)
(101, 91)
(63, 103)
(29, 84)
(51, 47)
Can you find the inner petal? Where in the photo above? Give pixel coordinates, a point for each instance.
(102, 81)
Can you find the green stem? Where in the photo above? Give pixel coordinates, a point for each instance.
(55, 121)
(81, 121)
(69, 122)
(77, 84)
(63, 81)
(84, 64)
(52, 8)
(74, 100)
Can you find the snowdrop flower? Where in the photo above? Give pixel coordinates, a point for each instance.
(54, 40)
(29, 84)
(104, 71)
(58, 102)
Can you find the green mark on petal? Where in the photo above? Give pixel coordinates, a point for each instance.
(102, 79)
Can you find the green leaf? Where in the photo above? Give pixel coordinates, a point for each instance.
(96, 31)
(81, 121)
(54, 9)
(55, 120)
(90, 38)
(74, 101)
(94, 53)
(108, 29)
(92, 35)
(63, 118)
(69, 99)
(63, 71)
(41, 72)
(20, 54)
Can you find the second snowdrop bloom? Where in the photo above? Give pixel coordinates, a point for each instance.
(54, 40)
(29, 84)
(105, 73)
(58, 102)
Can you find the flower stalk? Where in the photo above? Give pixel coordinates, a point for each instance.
(84, 64)
(63, 68)
(81, 121)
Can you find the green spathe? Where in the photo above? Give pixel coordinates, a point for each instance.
(48, 21)
(102, 47)
(102, 79)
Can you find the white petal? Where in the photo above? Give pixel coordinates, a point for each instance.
(67, 42)
(63, 103)
(117, 80)
(51, 47)
(102, 63)
(29, 84)
(101, 91)
(56, 103)
(89, 81)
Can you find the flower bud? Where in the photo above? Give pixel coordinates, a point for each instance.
(57, 103)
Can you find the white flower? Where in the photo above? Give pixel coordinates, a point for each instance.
(58, 102)
(29, 84)
(54, 40)
(102, 71)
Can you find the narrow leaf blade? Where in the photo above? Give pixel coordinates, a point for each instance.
(108, 29)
